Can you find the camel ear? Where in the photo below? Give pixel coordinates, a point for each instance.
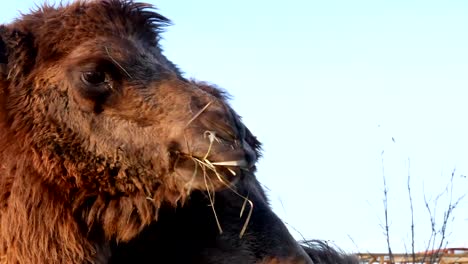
(17, 55)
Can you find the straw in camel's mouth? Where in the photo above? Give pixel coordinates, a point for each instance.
(217, 161)
(234, 166)
(213, 176)
(222, 171)
(232, 163)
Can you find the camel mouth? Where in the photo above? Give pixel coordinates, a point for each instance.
(233, 166)
(213, 164)
(203, 174)
(209, 159)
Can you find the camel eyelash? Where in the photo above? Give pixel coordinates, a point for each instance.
(107, 64)
(95, 81)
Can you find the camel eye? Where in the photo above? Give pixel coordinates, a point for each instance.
(93, 77)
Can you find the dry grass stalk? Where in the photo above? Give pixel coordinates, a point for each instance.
(198, 113)
(212, 199)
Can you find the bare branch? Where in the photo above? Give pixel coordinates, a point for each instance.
(438, 238)
(385, 202)
(413, 254)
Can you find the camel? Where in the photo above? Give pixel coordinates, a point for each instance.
(110, 155)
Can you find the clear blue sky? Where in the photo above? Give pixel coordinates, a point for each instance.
(326, 85)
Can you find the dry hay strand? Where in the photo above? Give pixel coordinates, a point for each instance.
(198, 113)
(117, 63)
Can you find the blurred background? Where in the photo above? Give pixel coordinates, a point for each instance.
(341, 94)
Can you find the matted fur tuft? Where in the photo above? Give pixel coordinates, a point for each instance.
(322, 253)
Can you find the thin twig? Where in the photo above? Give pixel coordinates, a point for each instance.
(413, 254)
(385, 201)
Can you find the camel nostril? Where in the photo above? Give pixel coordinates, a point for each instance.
(223, 129)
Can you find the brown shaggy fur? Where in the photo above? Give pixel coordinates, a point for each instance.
(100, 135)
